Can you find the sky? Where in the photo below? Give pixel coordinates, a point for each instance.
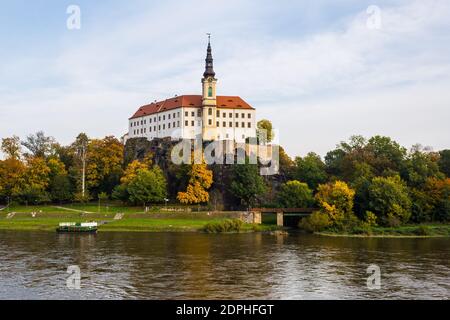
(321, 71)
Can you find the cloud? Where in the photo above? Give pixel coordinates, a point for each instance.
(319, 87)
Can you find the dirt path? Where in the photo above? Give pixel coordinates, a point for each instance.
(73, 210)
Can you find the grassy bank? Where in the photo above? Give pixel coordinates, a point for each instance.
(406, 231)
(47, 219)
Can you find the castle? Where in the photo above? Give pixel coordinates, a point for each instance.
(215, 118)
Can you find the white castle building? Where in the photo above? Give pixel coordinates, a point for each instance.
(187, 116)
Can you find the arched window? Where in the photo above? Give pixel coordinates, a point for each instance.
(210, 92)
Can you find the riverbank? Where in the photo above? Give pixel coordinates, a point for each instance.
(406, 231)
(116, 219)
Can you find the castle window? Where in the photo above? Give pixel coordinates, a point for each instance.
(224, 124)
(210, 92)
(231, 115)
(154, 128)
(164, 117)
(193, 123)
(145, 130)
(159, 127)
(249, 124)
(217, 123)
(193, 113)
(168, 116)
(159, 118)
(169, 125)
(178, 123)
(186, 113)
(150, 129)
(199, 113)
(218, 114)
(210, 111)
(209, 122)
(150, 120)
(224, 115)
(237, 115)
(237, 124)
(249, 115)
(243, 124)
(186, 123)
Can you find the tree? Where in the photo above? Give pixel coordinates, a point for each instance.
(11, 147)
(39, 145)
(36, 180)
(336, 200)
(200, 180)
(295, 194)
(311, 170)
(148, 186)
(438, 198)
(287, 166)
(421, 164)
(444, 162)
(385, 154)
(247, 184)
(81, 148)
(389, 200)
(265, 131)
(104, 164)
(11, 177)
(60, 187)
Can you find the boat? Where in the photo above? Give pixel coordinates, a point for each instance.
(76, 227)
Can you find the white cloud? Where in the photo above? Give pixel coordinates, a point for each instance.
(323, 86)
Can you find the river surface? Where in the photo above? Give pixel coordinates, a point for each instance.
(33, 265)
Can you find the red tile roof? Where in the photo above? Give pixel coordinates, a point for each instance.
(191, 101)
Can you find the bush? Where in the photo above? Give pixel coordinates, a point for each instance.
(316, 222)
(234, 225)
(422, 231)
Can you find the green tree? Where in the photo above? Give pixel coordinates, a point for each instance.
(247, 184)
(295, 194)
(265, 131)
(444, 162)
(389, 200)
(149, 186)
(311, 170)
(421, 164)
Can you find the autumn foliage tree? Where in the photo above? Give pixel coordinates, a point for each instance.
(200, 180)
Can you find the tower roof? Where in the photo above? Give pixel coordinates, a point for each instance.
(209, 67)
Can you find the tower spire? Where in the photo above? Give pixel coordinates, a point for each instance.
(209, 69)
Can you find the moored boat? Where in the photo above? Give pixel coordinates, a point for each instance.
(74, 227)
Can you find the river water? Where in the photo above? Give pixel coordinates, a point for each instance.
(33, 265)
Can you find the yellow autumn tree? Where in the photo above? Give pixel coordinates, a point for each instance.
(336, 200)
(200, 180)
(132, 169)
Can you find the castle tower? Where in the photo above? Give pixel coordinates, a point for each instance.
(209, 100)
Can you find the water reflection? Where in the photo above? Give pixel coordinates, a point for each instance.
(201, 266)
